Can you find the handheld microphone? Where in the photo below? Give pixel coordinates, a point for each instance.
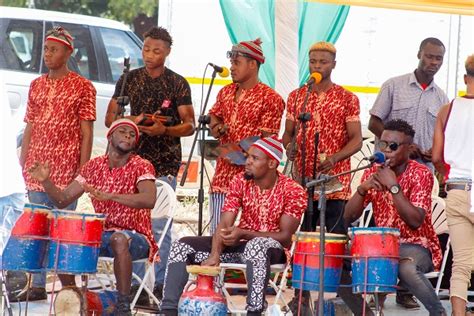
(222, 71)
(377, 157)
(314, 78)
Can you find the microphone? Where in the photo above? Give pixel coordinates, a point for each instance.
(222, 71)
(377, 157)
(314, 78)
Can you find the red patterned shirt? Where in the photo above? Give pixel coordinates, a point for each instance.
(416, 183)
(55, 110)
(258, 109)
(330, 111)
(262, 210)
(124, 180)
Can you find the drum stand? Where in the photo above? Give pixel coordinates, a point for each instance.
(5, 301)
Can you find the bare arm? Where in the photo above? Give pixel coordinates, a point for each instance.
(438, 140)
(25, 144)
(289, 132)
(217, 126)
(376, 125)
(87, 130)
(113, 113)
(145, 198)
(185, 128)
(226, 222)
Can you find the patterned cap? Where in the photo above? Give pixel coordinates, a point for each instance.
(271, 146)
(124, 121)
(251, 49)
(60, 35)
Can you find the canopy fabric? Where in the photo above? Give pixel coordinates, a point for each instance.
(460, 7)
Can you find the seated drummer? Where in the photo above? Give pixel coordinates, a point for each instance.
(121, 186)
(272, 205)
(400, 192)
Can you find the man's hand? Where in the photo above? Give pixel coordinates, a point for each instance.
(156, 129)
(386, 177)
(291, 151)
(372, 183)
(231, 236)
(218, 130)
(327, 165)
(211, 261)
(40, 171)
(99, 195)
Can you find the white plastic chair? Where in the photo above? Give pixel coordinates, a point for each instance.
(440, 225)
(165, 206)
(278, 269)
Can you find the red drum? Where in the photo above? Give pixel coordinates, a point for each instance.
(78, 236)
(72, 301)
(26, 248)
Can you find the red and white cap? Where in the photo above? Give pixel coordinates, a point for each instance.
(271, 146)
(124, 121)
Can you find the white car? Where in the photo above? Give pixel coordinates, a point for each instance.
(100, 46)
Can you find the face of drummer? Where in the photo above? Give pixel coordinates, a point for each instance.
(258, 164)
(243, 69)
(323, 62)
(154, 52)
(123, 139)
(403, 144)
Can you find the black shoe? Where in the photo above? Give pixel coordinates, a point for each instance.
(143, 299)
(305, 309)
(407, 300)
(123, 306)
(34, 294)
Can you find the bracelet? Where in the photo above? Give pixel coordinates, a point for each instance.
(358, 191)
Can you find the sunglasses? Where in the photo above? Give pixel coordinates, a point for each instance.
(392, 145)
(234, 54)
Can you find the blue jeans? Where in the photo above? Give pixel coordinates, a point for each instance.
(37, 197)
(11, 207)
(157, 226)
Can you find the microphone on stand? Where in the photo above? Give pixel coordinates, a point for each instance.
(377, 157)
(222, 71)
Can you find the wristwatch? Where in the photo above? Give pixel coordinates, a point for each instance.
(394, 189)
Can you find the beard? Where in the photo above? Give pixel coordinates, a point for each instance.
(248, 176)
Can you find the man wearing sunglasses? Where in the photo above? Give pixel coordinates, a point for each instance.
(413, 97)
(400, 193)
(453, 145)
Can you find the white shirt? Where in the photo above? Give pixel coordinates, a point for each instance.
(11, 179)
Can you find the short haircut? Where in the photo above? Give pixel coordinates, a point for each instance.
(400, 126)
(470, 65)
(159, 33)
(431, 40)
(323, 47)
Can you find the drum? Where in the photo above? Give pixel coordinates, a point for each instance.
(72, 301)
(26, 248)
(78, 236)
(306, 261)
(375, 254)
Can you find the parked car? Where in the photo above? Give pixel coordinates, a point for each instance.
(100, 46)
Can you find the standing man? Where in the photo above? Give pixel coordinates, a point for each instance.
(59, 128)
(400, 193)
(243, 108)
(413, 97)
(453, 144)
(335, 116)
(271, 207)
(155, 89)
(122, 187)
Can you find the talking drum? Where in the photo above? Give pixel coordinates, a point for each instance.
(78, 236)
(306, 261)
(72, 301)
(374, 259)
(28, 242)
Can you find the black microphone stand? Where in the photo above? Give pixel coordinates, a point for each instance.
(123, 100)
(203, 121)
(322, 179)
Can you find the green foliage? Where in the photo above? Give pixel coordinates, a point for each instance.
(121, 10)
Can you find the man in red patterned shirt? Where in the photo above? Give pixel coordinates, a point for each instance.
(400, 193)
(243, 108)
(122, 186)
(335, 116)
(59, 123)
(272, 205)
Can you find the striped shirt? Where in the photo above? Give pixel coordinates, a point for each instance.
(403, 98)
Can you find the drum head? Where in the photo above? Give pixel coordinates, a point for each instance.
(68, 302)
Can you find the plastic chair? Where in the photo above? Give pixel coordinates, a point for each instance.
(165, 206)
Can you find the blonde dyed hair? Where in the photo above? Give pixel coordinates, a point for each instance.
(323, 46)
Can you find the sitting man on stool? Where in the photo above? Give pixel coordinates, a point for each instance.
(272, 205)
(400, 192)
(121, 186)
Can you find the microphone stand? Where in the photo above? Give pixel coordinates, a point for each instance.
(322, 180)
(203, 120)
(123, 100)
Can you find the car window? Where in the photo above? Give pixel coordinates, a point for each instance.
(21, 44)
(118, 44)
